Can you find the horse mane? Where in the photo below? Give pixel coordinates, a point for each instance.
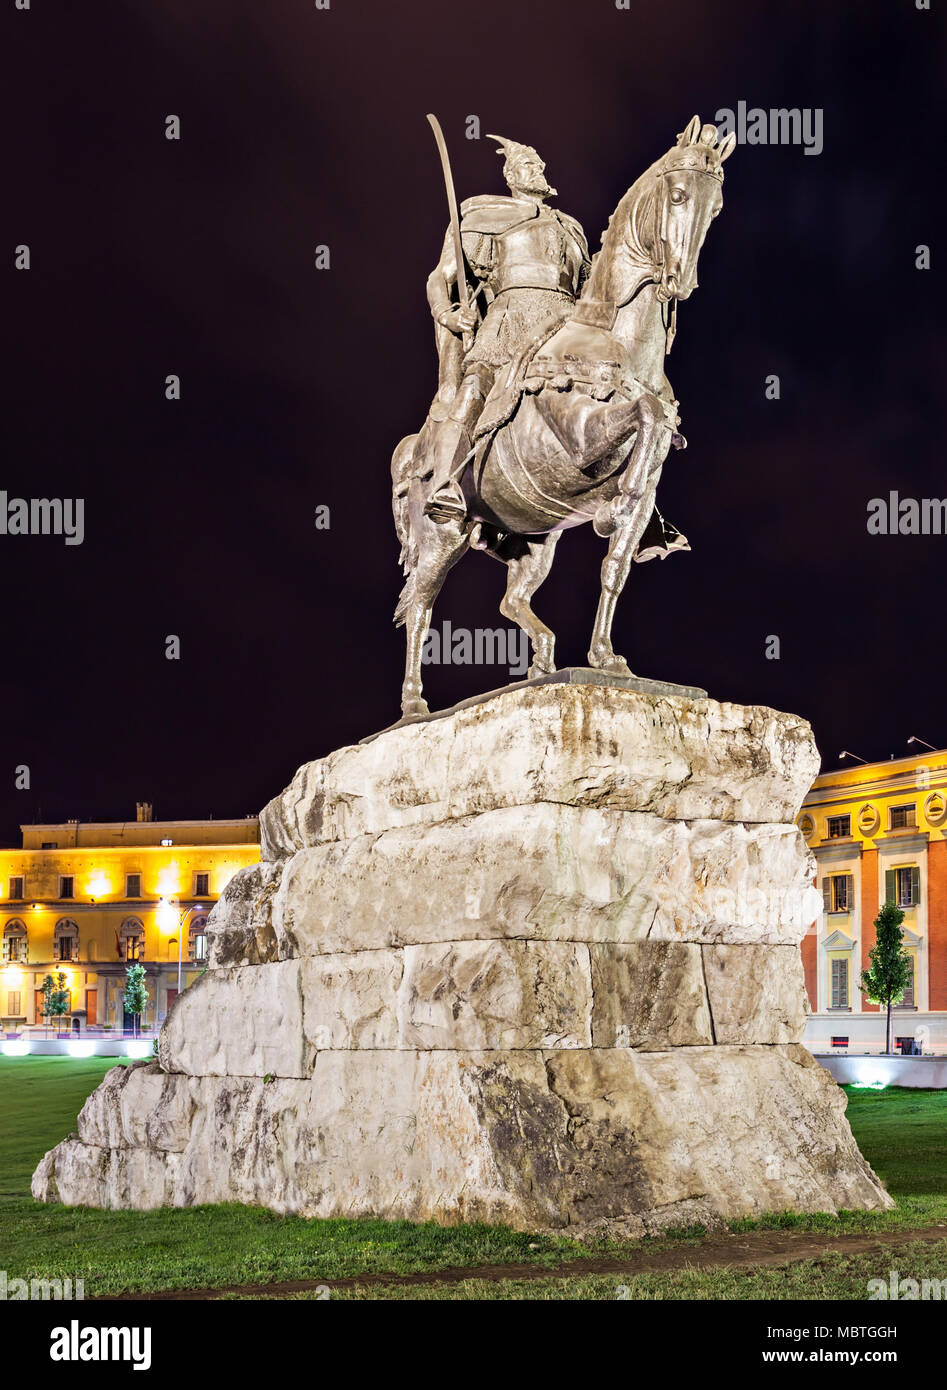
(629, 233)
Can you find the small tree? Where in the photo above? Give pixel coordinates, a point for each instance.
(47, 990)
(890, 972)
(136, 996)
(55, 997)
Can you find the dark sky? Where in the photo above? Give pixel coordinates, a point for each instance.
(302, 127)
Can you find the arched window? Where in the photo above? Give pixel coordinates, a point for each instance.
(66, 940)
(14, 941)
(132, 939)
(197, 939)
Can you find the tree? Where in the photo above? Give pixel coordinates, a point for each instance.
(890, 971)
(46, 991)
(136, 996)
(55, 997)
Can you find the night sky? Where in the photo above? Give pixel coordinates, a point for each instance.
(303, 127)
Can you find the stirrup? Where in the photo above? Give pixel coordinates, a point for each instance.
(448, 503)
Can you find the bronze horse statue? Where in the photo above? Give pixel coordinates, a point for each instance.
(577, 428)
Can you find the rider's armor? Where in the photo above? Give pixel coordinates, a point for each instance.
(529, 262)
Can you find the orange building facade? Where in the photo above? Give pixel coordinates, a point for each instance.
(878, 832)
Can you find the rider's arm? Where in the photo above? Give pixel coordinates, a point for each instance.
(445, 309)
(441, 281)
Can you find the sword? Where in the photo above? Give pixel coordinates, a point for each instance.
(462, 287)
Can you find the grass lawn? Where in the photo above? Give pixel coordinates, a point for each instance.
(903, 1134)
(833, 1276)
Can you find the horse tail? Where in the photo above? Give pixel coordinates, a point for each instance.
(401, 468)
(405, 600)
(402, 461)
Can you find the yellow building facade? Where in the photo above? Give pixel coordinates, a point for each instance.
(88, 899)
(879, 833)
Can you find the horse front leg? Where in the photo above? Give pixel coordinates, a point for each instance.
(652, 442)
(632, 510)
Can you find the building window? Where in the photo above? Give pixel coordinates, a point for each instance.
(903, 886)
(838, 893)
(167, 843)
(50, 844)
(201, 885)
(66, 886)
(198, 940)
(908, 1001)
(66, 940)
(133, 885)
(13, 1002)
(14, 943)
(131, 940)
(840, 1041)
(16, 888)
(840, 827)
(904, 817)
(839, 967)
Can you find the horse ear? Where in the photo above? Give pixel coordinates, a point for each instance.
(726, 146)
(690, 134)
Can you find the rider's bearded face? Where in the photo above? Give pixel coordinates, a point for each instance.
(527, 175)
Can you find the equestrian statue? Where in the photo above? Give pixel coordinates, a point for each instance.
(552, 407)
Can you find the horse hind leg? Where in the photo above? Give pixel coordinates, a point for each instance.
(525, 573)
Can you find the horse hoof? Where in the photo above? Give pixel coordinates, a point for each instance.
(612, 666)
(414, 709)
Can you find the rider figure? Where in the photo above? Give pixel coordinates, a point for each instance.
(529, 262)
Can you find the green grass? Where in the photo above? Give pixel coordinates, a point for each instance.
(40, 1098)
(902, 1133)
(834, 1276)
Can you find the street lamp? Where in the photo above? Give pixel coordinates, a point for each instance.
(165, 908)
(915, 739)
(846, 754)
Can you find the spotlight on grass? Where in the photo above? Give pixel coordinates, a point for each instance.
(873, 1076)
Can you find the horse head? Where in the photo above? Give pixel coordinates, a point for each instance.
(688, 195)
(658, 229)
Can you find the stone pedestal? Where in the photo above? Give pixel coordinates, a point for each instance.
(536, 961)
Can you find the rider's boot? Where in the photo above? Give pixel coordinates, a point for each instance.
(451, 447)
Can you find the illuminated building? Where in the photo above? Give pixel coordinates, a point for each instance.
(878, 832)
(90, 898)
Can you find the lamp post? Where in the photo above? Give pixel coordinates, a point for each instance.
(915, 739)
(183, 921)
(166, 907)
